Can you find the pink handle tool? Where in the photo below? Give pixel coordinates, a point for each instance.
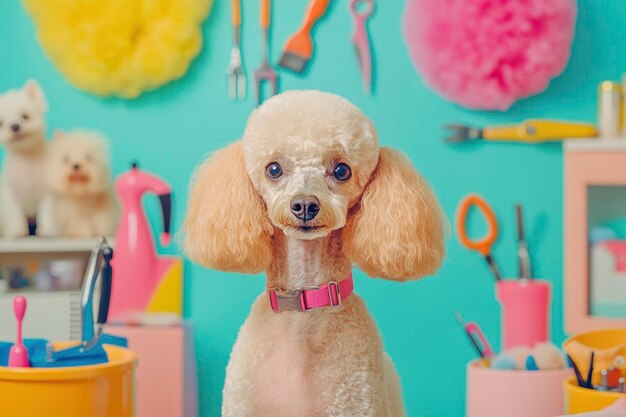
(18, 356)
(361, 12)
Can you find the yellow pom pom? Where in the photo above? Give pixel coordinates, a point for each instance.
(120, 47)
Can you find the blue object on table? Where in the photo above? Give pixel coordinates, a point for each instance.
(89, 350)
(531, 363)
(39, 358)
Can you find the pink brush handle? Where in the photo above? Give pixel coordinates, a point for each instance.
(472, 328)
(18, 355)
(19, 308)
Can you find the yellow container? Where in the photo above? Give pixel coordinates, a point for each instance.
(609, 347)
(584, 400)
(105, 390)
(600, 339)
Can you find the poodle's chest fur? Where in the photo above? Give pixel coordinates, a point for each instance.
(285, 378)
(318, 363)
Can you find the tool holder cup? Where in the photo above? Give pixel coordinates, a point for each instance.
(525, 307)
(510, 393)
(586, 400)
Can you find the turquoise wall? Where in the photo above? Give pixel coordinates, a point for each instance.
(171, 129)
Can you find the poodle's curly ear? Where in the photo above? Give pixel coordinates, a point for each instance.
(397, 229)
(227, 226)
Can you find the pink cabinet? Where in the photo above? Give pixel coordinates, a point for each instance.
(166, 371)
(595, 234)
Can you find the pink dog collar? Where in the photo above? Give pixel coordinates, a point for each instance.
(310, 298)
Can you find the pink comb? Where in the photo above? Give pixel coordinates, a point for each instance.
(18, 356)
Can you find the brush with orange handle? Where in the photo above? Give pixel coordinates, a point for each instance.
(299, 48)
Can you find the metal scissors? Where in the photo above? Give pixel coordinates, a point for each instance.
(484, 244)
(361, 11)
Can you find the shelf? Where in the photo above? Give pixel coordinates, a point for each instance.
(595, 144)
(49, 245)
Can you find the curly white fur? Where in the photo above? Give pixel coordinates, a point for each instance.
(326, 362)
(80, 200)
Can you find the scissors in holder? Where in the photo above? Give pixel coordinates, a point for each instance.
(484, 244)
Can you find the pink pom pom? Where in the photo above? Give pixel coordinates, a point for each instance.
(486, 54)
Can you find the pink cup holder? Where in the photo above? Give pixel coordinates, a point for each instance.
(525, 311)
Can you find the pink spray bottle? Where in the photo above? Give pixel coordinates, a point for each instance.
(137, 269)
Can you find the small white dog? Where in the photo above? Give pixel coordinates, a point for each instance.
(80, 199)
(22, 133)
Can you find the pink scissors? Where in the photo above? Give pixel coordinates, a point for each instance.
(362, 10)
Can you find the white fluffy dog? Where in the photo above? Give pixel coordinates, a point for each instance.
(22, 133)
(80, 200)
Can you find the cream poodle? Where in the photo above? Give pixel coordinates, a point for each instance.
(305, 194)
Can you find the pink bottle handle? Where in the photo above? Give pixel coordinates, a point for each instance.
(19, 308)
(18, 355)
(472, 328)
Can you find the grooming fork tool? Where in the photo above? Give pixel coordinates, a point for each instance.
(234, 71)
(265, 72)
(361, 12)
(529, 131)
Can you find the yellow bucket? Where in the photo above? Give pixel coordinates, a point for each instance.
(105, 390)
(584, 400)
(609, 347)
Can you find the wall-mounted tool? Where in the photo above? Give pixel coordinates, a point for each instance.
(265, 72)
(299, 48)
(484, 244)
(530, 131)
(523, 257)
(234, 71)
(361, 12)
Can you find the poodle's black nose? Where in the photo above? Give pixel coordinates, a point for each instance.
(15, 127)
(76, 167)
(305, 207)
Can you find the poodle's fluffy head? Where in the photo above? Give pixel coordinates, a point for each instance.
(78, 164)
(309, 163)
(22, 122)
(308, 146)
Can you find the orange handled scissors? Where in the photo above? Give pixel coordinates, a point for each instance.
(484, 244)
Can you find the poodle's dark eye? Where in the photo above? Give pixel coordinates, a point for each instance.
(25, 116)
(66, 159)
(273, 170)
(342, 172)
(88, 157)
